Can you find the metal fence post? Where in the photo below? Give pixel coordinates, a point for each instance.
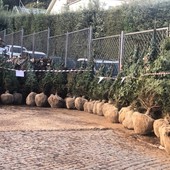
(5, 36)
(66, 49)
(168, 30)
(90, 43)
(48, 39)
(33, 43)
(121, 50)
(12, 42)
(22, 35)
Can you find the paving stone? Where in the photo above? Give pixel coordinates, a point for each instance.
(82, 150)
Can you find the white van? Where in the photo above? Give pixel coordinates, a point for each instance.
(13, 50)
(35, 54)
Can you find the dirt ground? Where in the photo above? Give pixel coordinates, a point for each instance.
(24, 118)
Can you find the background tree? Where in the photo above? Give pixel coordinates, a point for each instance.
(11, 3)
(136, 16)
(29, 3)
(1, 4)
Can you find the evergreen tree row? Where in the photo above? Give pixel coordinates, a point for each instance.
(130, 17)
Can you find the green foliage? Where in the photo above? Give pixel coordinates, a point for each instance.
(45, 84)
(30, 3)
(154, 90)
(100, 90)
(124, 90)
(162, 64)
(59, 81)
(132, 17)
(10, 81)
(81, 83)
(150, 92)
(153, 93)
(166, 45)
(154, 48)
(1, 4)
(131, 84)
(71, 83)
(10, 3)
(31, 83)
(4, 20)
(135, 64)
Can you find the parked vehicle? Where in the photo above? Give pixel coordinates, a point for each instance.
(2, 50)
(34, 54)
(39, 60)
(13, 50)
(110, 67)
(60, 62)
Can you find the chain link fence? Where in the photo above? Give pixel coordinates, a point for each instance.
(106, 54)
(32, 42)
(2, 34)
(41, 41)
(14, 38)
(8, 39)
(77, 43)
(106, 48)
(142, 39)
(37, 43)
(17, 38)
(28, 41)
(70, 48)
(57, 48)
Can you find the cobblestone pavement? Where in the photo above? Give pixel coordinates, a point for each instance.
(77, 149)
(82, 150)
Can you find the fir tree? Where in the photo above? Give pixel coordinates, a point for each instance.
(154, 47)
(154, 89)
(46, 83)
(10, 81)
(31, 83)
